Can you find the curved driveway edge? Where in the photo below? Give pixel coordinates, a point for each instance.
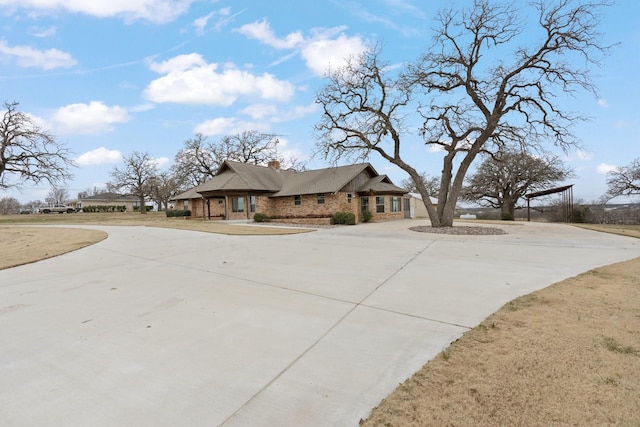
(167, 327)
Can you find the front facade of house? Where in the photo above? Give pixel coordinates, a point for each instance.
(239, 191)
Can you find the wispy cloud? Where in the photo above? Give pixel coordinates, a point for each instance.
(157, 11)
(30, 57)
(604, 168)
(41, 32)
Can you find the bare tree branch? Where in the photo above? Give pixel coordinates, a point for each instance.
(29, 153)
(136, 177)
(625, 180)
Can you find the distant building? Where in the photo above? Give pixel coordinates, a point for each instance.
(108, 202)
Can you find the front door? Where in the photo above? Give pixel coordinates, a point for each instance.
(407, 208)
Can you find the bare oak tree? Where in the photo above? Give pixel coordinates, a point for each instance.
(29, 153)
(163, 186)
(625, 180)
(502, 180)
(196, 162)
(57, 196)
(200, 158)
(136, 176)
(9, 206)
(430, 183)
(476, 87)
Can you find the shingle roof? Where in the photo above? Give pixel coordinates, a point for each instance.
(329, 180)
(234, 176)
(191, 193)
(380, 184)
(241, 176)
(111, 197)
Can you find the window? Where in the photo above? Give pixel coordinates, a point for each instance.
(297, 200)
(320, 199)
(237, 204)
(394, 204)
(349, 197)
(252, 203)
(185, 205)
(364, 204)
(379, 204)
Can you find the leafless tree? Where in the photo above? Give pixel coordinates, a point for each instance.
(196, 162)
(200, 158)
(624, 180)
(9, 206)
(253, 147)
(429, 182)
(29, 153)
(94, 191)
(163, 187)
(57, 196)
(136, 176)
(476, 87)
(501, 181)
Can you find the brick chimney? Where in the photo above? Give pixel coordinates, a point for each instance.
(275, 164)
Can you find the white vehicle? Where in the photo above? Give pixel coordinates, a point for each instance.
(56, 208)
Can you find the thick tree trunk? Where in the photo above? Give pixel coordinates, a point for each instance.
(143, 206)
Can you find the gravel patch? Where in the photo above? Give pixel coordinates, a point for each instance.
(459, 230)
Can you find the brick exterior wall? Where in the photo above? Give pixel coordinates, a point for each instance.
(387, 215)
(286, 207)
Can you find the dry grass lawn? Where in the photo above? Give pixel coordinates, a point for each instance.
(566, 355)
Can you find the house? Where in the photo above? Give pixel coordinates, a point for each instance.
(108, 202)
(239, 191)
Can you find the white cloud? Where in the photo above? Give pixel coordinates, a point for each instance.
(159, 162)
(228, 126)
(178, 64)
(158, 11)
(189, 79)
(202, 22)
(99, 156)
(604, 168)
(91, 118)
(274, 115)
(326, 47)
(603, 103)
(295, 113)
(262, 32)
(259, 111)
(290, 154)
(29, 57)
(43, 32)
(324, 53)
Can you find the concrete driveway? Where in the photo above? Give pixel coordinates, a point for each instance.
(160, 327)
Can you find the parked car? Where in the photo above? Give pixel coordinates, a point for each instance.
(56, 208)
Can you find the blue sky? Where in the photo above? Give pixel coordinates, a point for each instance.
(108, 77)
